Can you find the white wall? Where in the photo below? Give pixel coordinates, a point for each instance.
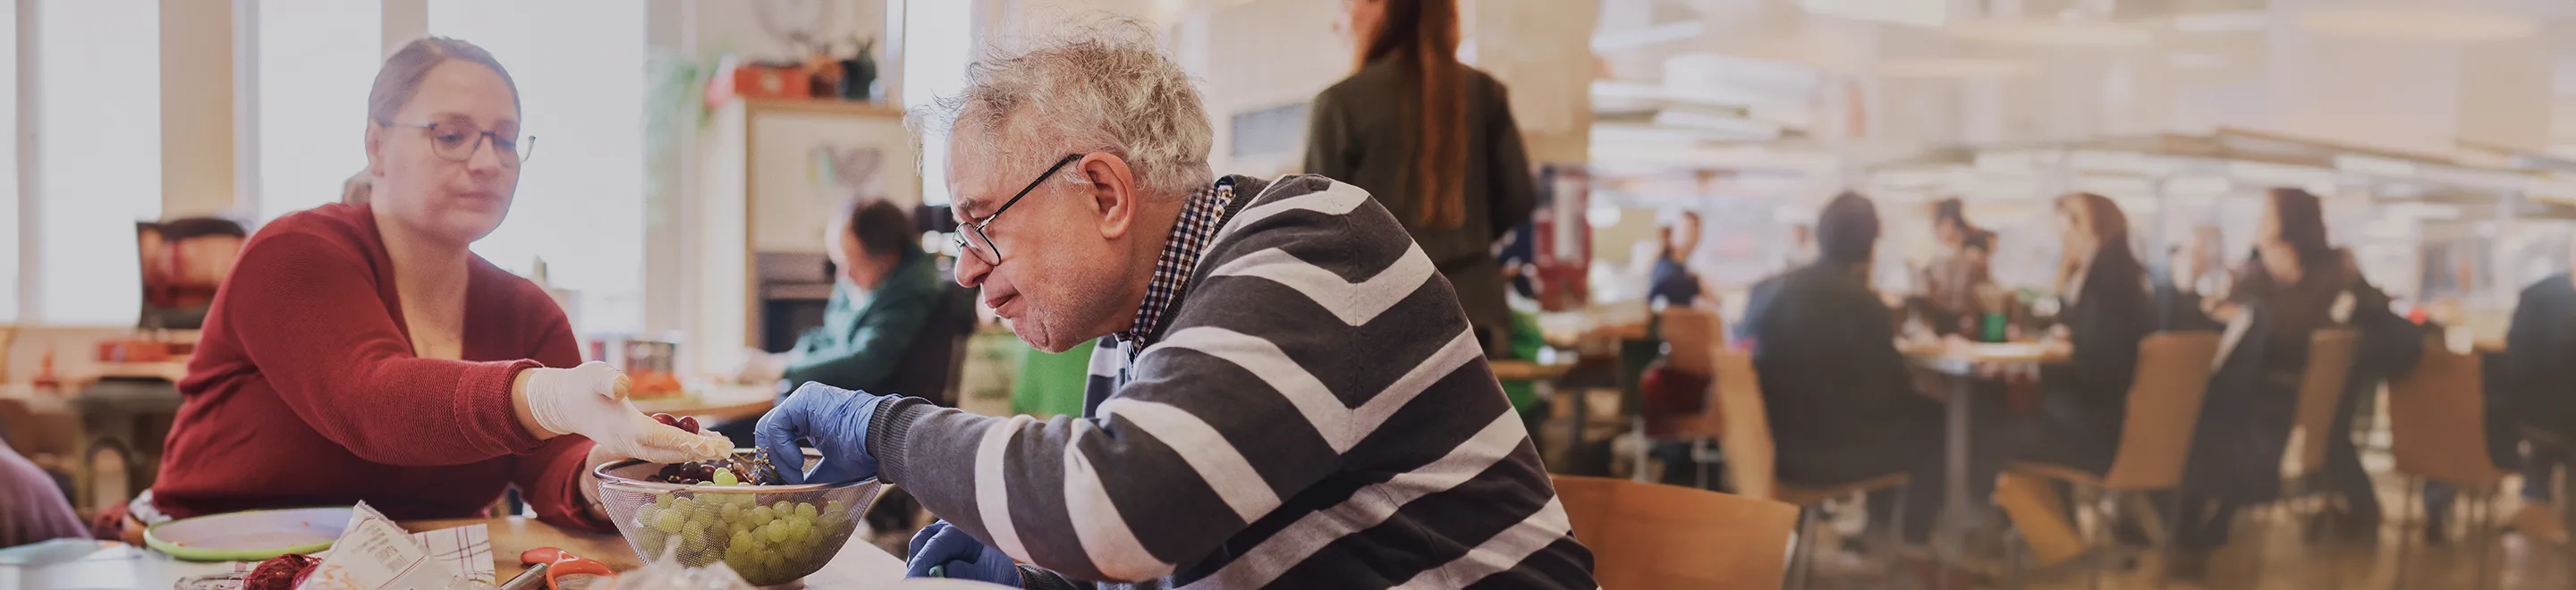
(196, 107)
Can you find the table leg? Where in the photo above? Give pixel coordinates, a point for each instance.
(1953, 527)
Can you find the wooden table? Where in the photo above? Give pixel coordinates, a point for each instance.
(717, 402)
(1960, 362)
(1516, 370)
(859, 565)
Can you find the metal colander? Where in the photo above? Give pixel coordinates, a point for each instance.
(770, 535)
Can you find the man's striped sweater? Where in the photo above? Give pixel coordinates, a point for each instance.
(1315, 414)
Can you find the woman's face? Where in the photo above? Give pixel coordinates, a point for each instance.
(435, 197)
(1359, 22)
(1950, 233)
(2075, 230)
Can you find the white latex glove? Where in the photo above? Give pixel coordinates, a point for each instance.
(590, 400)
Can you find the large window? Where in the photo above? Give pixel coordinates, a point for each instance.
(938, 37)
(9, 264)
(98, 141)
(316, 61)
(579, 65)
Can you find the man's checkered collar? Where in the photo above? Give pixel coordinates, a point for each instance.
(1190, 236)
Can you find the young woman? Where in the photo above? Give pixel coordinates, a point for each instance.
(2107, 311)
(1447, 159)
(2294, 284)
(362, 352)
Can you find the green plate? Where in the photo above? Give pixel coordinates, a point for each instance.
(249, 536)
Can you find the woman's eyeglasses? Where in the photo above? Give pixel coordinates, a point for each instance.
(456, 142)
(970, 235)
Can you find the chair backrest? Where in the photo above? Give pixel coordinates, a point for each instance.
(2437, 420)
(1645, 535)
(1747, 434)
(2164, 408)
(2320, 391)
(929, 367)
(1696, 338)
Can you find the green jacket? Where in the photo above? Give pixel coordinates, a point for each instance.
(860, 343)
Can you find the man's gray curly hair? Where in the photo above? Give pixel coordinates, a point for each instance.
(1107, 88)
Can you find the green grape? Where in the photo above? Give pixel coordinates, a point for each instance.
(724, 477)
(648, 515)
(783, 507)
(806, 510)
(797, 553)
(762, 515)
(801, 528)
(661, 500)
(775, 531)
(741, 541)
(650, 542)
(671, 521)
(692, 543)
(773, 562)
(684, 506)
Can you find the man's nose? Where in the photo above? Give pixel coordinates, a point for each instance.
(971, 270)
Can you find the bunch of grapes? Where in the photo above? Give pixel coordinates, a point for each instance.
(765, 543)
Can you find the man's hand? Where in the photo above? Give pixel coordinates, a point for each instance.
(942, 551)
(832, 420)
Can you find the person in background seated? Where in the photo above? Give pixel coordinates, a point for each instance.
(1840, 398)
(2294, 284)
(1947, 285)
(2197, 270)
(1672, 282)
(2540, 384)
(364, 353)
(2086, 399)
(881, 301)
(32, 507)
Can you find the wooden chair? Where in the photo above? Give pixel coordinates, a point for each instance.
(2155, 435)
(1751, 457)
(2437, 429)
(2321, 388)
(1693, 339)
(1645, 535)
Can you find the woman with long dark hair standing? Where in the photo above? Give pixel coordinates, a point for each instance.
(1434, 140)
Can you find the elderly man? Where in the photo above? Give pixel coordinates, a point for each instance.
(1286, 394)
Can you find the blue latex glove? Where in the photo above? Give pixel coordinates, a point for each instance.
(942, 551)
(830, 419)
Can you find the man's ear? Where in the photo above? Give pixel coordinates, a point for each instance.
(1113, 191)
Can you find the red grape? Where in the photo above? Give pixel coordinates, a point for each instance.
(688, 423)
(666, 419)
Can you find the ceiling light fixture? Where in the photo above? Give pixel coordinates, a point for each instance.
(1953, 67)
(2043, 31)
(2242, 21)
(2417, 23)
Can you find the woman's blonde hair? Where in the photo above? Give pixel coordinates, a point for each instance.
(399, 79)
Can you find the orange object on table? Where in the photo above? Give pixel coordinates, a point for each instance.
(560, 563)
(653, 385)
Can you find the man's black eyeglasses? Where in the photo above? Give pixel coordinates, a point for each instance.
(970, 235)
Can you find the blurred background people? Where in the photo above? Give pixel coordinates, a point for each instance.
(1672, 282)
(1434, 140)
(2293, 284)
(1948, 286)
(2540, 385)
(882, 301)
(1842, 403)
(32, 507)
(2105, 312)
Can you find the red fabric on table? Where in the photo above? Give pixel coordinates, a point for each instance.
(304, 390)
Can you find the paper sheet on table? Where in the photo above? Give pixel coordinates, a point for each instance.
(375, 554)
